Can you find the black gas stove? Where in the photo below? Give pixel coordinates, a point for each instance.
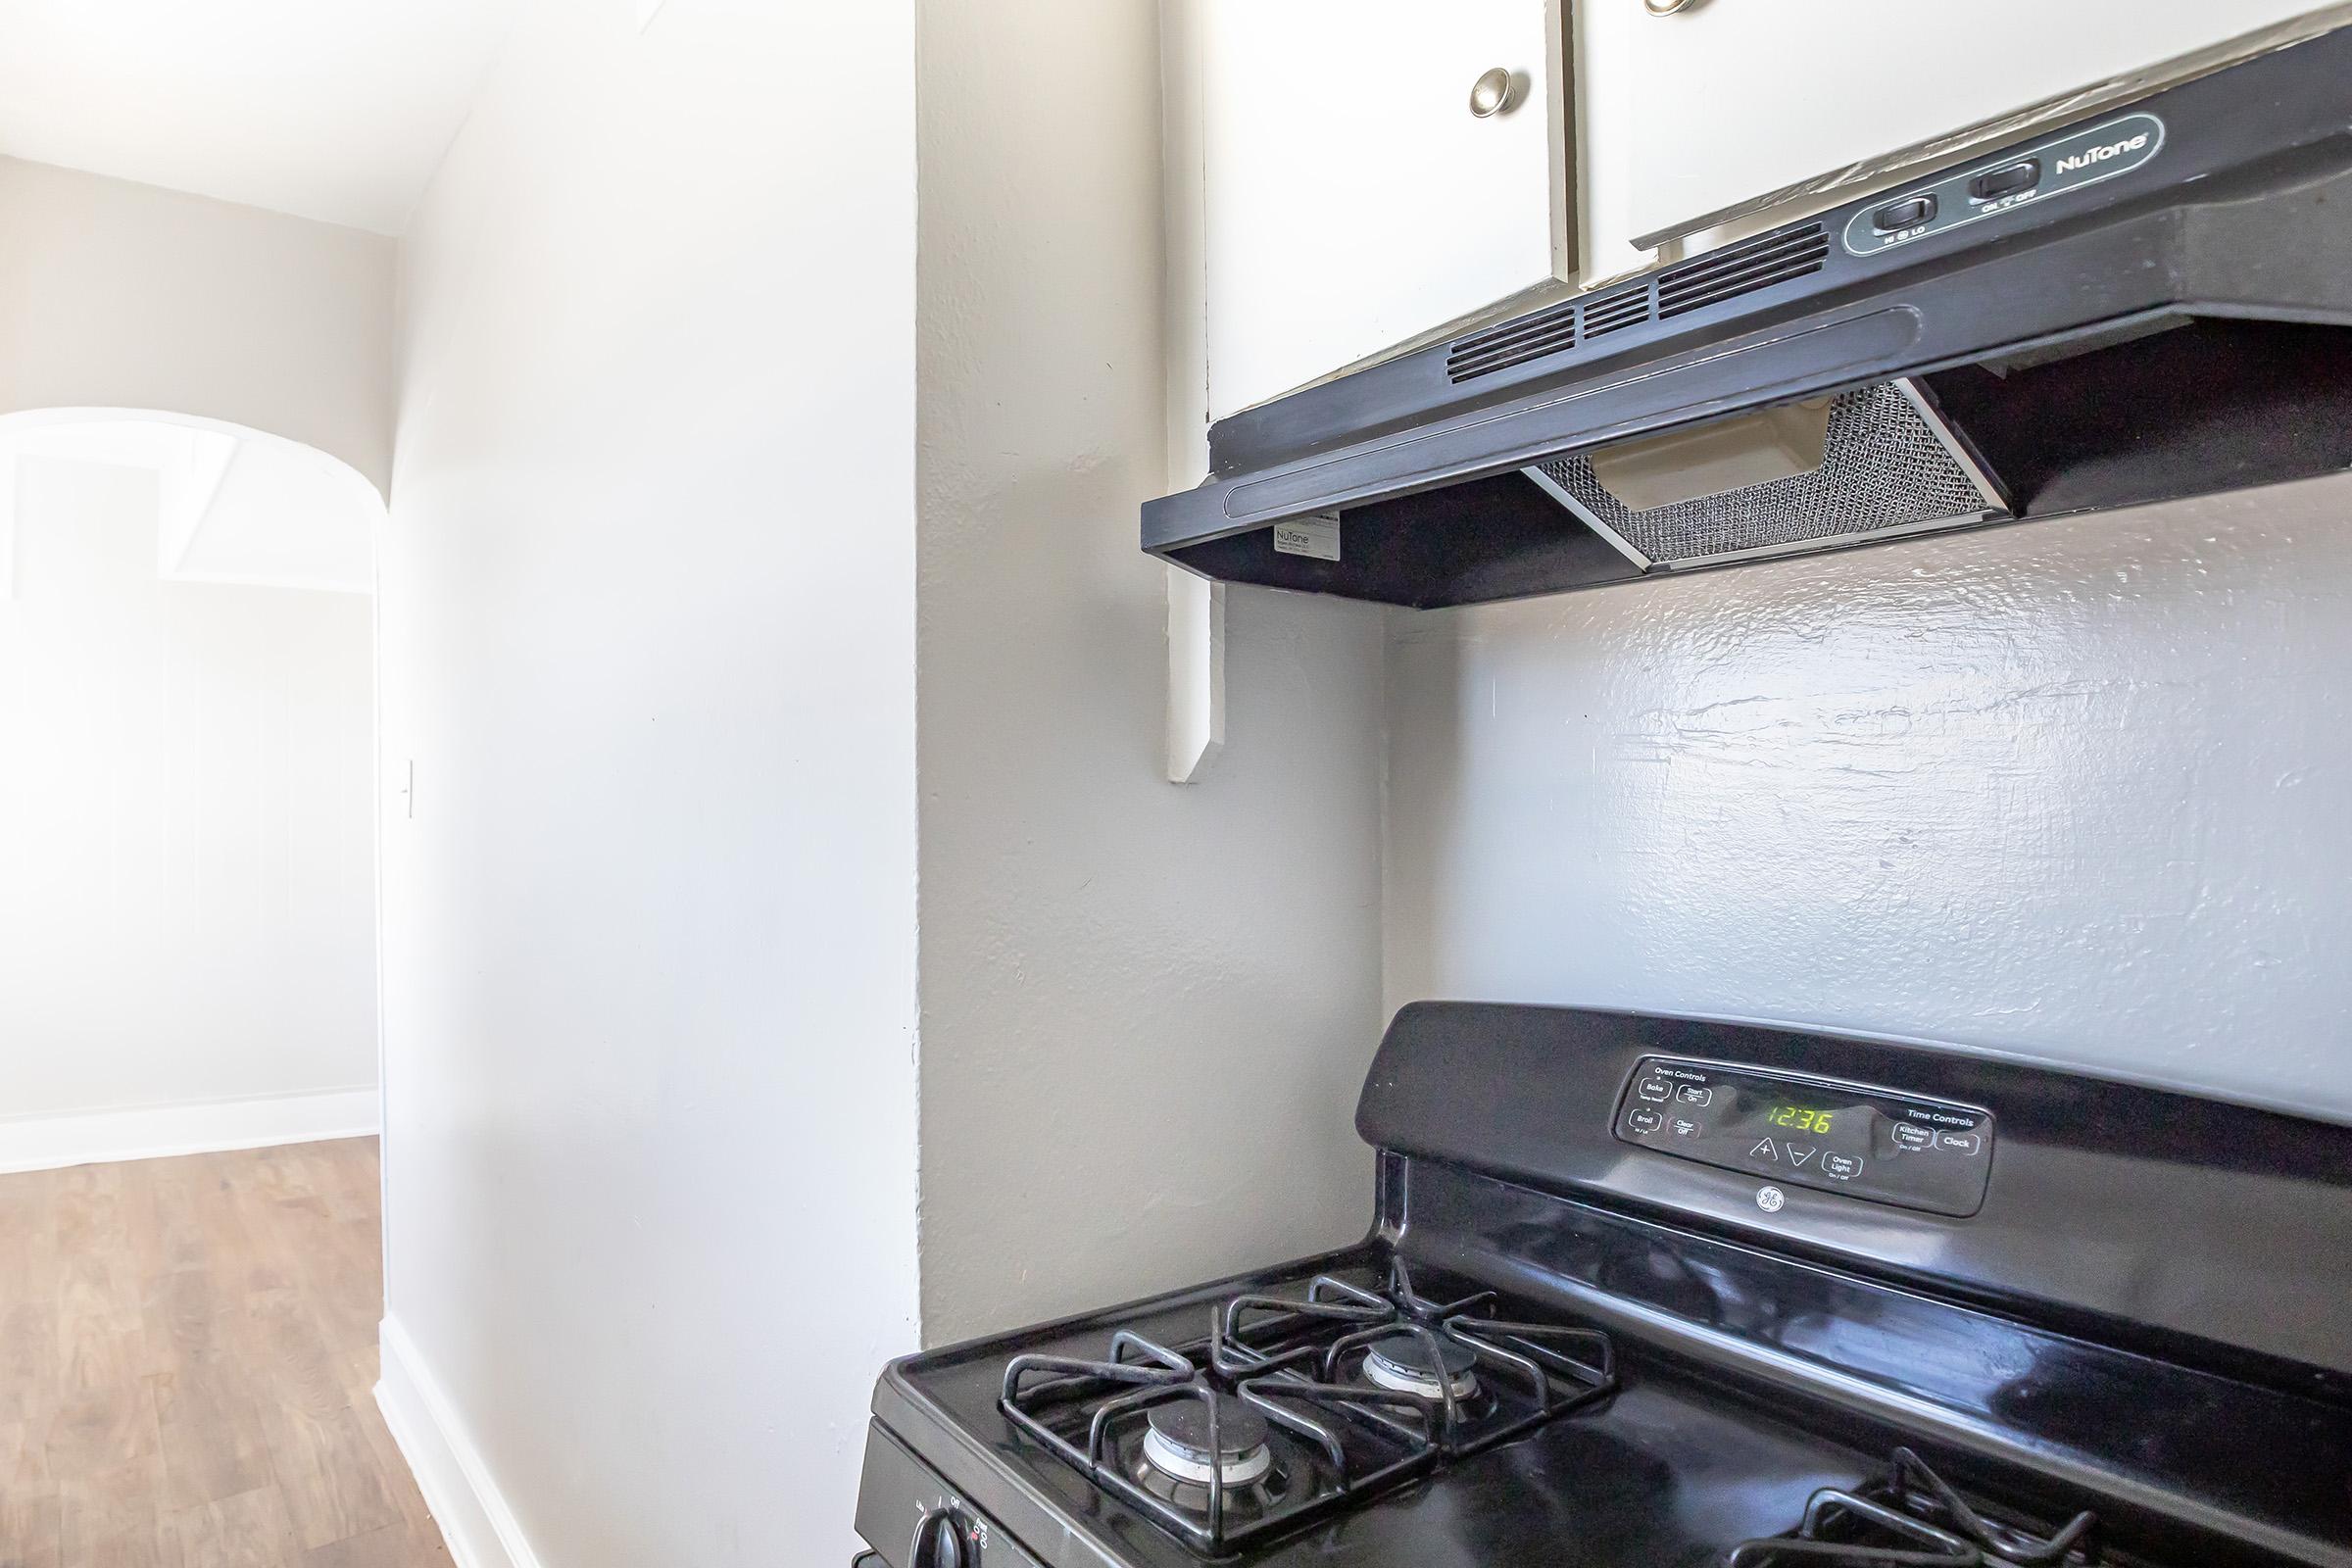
(1676, 1293)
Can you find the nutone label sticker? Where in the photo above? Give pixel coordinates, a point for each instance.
(1317, 536)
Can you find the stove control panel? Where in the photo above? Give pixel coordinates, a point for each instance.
(1796, 1130)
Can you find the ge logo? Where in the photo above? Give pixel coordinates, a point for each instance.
(1770, 1200)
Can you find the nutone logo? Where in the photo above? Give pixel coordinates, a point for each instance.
(2099, 154)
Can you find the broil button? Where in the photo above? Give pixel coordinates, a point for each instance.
(1642, 1119)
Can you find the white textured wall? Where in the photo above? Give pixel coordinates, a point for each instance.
(187, 854)
(120, 295)
(2074, 791)
(1147, 1008)
(650, 640)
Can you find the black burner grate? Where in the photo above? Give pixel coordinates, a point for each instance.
(1912, 1517)
(1297, 1364)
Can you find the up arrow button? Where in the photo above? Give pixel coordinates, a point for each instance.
(1764, 1150)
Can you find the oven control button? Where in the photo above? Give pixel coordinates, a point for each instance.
(1959, 1142)
(1845, 1167)
(1642, 1119)
(1910, 1135)
(1693, 1094)
(1685, 1127)
(1653, 1089)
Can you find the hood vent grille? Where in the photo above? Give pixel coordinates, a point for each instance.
(1742, 269)
(1685, 286)
(1628, 307)
(1529, 337)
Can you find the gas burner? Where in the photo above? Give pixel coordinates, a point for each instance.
(1218, 1456)
(1499, 1378)
(1913, 1517)
(1293, 1407)
(1196, 1438)
(1412, 1365)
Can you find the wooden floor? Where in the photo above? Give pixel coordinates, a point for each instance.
(186, 1352)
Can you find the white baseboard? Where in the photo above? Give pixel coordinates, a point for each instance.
(45, 1143)
(478, 1528)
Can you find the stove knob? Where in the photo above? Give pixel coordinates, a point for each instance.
(938, 1542)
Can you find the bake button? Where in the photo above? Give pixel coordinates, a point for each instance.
(1642, 1119)
(1653, 1088)
(1910, 1135)
(1845, 1167)
(1693, 1094)
(1959, 1142)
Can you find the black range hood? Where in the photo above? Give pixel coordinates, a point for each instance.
(2150, 303)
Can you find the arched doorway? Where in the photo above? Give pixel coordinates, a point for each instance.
(187, 706)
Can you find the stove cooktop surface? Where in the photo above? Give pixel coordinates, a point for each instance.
(1638, 1459)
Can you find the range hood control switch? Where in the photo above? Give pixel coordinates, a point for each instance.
(1908, 212)
(2006, 180)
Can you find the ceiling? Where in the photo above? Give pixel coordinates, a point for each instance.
(337, 109)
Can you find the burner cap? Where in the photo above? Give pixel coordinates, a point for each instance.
(1177, 1441)
(1402, 1362)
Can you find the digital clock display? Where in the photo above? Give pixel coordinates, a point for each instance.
(1804, 1118)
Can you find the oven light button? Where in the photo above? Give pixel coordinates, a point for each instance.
(1845, 1167)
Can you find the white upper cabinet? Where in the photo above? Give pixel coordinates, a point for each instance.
(1726, 101)
(1354, 196)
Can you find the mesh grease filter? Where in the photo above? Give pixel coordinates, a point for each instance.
(1888, 465)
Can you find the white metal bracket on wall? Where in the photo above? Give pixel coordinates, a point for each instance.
(1195, 674)
(1196, 604)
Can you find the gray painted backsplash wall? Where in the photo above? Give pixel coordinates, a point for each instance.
(2075, 791)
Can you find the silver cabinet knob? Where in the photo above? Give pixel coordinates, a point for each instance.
(1491, 93)
(1665, 8)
